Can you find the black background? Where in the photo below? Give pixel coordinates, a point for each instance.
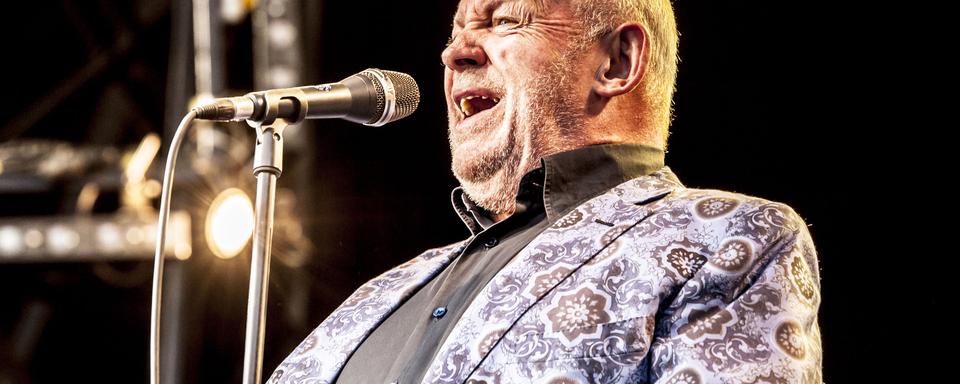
(770, 102)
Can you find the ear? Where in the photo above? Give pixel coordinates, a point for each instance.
(626, 54)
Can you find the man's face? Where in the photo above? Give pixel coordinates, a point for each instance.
(514, 89)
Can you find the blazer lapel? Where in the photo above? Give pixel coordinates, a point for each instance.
(321, 356)
(557, 252)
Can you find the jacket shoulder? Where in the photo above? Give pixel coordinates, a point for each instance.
(713, 205)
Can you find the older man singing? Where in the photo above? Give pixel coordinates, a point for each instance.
(588, 260)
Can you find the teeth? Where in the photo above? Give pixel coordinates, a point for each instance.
(467, 108)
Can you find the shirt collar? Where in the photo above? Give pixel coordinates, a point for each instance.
(567, 179)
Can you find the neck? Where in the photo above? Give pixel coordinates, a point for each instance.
(498, 217)
(621, 120)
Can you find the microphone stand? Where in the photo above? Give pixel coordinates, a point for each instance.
(267, 166)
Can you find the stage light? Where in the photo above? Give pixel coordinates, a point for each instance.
(182, 251)
(62, 240)
(33, 238)
(136, 236)
(11, 242)
(108, 237)
(283, 34)
(229, 223)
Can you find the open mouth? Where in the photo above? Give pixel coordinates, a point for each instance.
(472, 103)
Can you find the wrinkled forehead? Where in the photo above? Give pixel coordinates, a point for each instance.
(471, 9)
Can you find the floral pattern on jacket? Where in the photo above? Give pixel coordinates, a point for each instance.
(650, 282)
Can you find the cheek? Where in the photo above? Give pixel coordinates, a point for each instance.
(521, 60)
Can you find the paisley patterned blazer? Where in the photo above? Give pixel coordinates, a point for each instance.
(650, 282)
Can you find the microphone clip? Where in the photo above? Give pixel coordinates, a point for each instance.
(277, 109)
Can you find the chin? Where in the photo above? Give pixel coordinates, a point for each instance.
(474, 168)
(477, 157)
(496, 194)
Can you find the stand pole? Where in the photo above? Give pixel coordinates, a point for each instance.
(267, 165)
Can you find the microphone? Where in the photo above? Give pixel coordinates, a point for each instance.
(373, 97)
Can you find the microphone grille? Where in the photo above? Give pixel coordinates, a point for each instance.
(381, 98)
(408, 93)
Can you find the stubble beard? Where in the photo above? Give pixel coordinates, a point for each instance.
(548, 120)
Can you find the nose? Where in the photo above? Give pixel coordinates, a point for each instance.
(463, 52)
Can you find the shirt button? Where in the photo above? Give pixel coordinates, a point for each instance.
(438, 312)
(491, 242)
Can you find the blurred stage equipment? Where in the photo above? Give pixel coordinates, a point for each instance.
(73, 238)
(32, 167)
(373, 97)
(278, 52)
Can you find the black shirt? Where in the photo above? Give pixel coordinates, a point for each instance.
(403, 346)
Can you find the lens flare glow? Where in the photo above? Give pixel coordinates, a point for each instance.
(229, 223)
